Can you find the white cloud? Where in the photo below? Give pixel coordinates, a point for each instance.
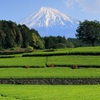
(92, 6)
(69, 3)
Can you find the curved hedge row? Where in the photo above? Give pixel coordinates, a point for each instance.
(59, 53)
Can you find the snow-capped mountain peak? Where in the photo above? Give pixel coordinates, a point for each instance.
(49, 18)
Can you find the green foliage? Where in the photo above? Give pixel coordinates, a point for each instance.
(57, 61)
(26, 35)
(69, 61)
(60, 45)
(49, 50)
(23, 61)
(37, 41)
(59, 58)
(13, 36)
(49, 92)
(15, 51)
(66, 51)
(52, 41)
(89, 31)
(74, 42)
(30, 48)
(49, 73)
(70, 44)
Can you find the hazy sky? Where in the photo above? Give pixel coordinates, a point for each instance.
(17, 10)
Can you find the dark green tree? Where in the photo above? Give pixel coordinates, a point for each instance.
(60, 45)
(89, 32)
(50, 42)
(37, 41)
(18, 36)
(26, 35)
(55, 42)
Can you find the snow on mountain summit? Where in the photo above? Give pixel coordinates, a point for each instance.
(48, 18)
(54, 15)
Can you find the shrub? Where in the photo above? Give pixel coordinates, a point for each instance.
(49, 50)
(30, 48)
(60, 45)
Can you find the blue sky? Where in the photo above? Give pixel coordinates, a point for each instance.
(17, 10)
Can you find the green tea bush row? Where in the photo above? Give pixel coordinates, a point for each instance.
(54, 65)
(7, 56)
(50, 92)
(22, 66)
(19, 51)
(84, 53)
(63, 53)
(44, 54)
(49, 50)
(73, 66)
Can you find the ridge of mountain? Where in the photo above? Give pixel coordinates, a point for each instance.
(49, 21)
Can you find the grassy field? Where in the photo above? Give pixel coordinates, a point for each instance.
(75, 60)
(86, 49)
(49, 73)
(16, 60)
(78, 49)
(68, 50)
(67, 61)
(48, 92)
(51, 92)
(23, 61)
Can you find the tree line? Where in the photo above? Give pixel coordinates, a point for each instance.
(13, 36)
(89, 32)
(20, 36)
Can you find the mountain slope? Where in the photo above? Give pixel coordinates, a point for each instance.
(49, 21)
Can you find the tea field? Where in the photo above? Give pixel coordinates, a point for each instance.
(67, 51)
(37, 64)
(49, 92)
(66, 61)
(49, 73)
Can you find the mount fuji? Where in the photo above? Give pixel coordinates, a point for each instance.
(49, 21)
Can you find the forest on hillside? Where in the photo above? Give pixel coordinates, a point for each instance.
(20, 36)
(14, 36)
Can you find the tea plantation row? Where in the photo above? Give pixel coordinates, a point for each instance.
(67, 51)
(56, 61)
(49, 73)
(48, 92)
